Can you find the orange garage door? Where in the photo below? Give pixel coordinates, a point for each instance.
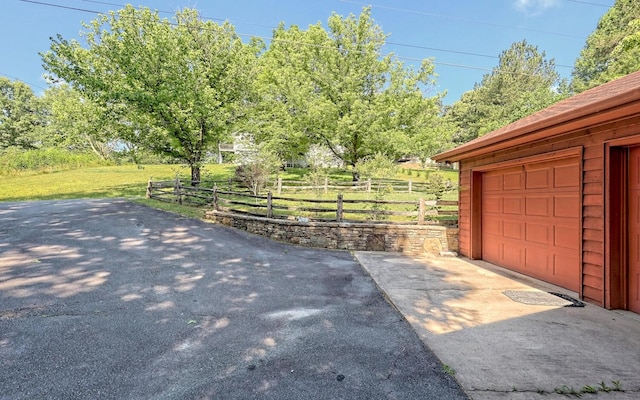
(530, 220)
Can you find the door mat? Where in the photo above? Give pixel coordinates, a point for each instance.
(538, 298)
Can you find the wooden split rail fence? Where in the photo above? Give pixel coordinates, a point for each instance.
(223, 196)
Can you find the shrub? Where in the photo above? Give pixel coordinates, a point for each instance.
(14, 160)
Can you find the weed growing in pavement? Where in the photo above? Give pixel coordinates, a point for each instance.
(448, 370)
(601, 387)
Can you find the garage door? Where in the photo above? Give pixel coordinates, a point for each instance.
(530, 220)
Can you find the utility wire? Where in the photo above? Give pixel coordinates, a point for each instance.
(590, 3)
(460, 19)
(387, 42)
(288, 41)
(21, 80)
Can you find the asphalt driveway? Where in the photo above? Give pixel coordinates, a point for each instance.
(114, 300)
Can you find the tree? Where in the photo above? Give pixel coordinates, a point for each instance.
(21, 115)
(523, 82)
(185, 82)
(256, 166)
(79, 123)
(613, 48)
(336, 89)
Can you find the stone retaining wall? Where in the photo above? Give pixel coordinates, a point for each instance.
(409, 239)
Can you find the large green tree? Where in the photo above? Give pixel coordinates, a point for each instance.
(78, 123)
(186, 80)
(21, 115)
(334, 87)
(523, 82)
(613, 48)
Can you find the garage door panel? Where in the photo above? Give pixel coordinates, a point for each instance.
(512, 205)
(512, 254)
(537, 206)
(564, 273)
(566, 176)
(538, 178)
(491, 183)
(566, 206)
(531, 222)
(566, 237)
(536, 260)
(512, 181)
(492, 228)
(492, 250)
(538, 233)
(493, 204)
(512, 229)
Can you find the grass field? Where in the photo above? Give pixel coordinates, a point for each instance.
(99, 182)
(130, 181)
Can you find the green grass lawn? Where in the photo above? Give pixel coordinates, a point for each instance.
(130, 181)
(99, 182)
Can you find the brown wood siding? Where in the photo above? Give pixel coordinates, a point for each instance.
(593, 192)
(464, 217)
(593, 219)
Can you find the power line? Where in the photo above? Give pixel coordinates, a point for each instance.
(21, 80)
(386, 42)
(589, 3)
(296, 42)
(61, 6)
(460, 19)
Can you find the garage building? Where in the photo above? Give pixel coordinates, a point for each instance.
(556, 195)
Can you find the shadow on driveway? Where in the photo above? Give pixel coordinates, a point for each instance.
(112, 299)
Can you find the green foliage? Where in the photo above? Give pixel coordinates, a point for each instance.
(79, 123)
(378, 166)
(183, 84)
(256, 167)
(523, 83)
(21, 115)
(15, 160)
(93, 182)
(333, 87)
(316, 178)
(438, 185)
(448, 370)
(613, 48)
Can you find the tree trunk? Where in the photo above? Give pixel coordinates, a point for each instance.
(195, 175)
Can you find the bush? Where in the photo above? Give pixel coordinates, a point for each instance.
(14, 160)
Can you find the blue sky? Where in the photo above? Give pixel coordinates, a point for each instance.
(465, 37)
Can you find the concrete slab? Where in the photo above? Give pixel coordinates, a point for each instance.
(500, 348)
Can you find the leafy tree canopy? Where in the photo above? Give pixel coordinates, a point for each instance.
(523, 82)
(21, 115)
(334, 87)
(613, 48)
(184, 82)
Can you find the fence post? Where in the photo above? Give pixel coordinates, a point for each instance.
(410, 185)
(421, 211)
(369, 185)
(230, 187)
(339, 209)
(149, 187)
(326, 185)
(279, 185)
(269, 205)
(177, 190)
(215, 197)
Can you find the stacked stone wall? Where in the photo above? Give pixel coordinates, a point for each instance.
(409, 239)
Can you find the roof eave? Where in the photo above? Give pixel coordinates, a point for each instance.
(483, 145)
